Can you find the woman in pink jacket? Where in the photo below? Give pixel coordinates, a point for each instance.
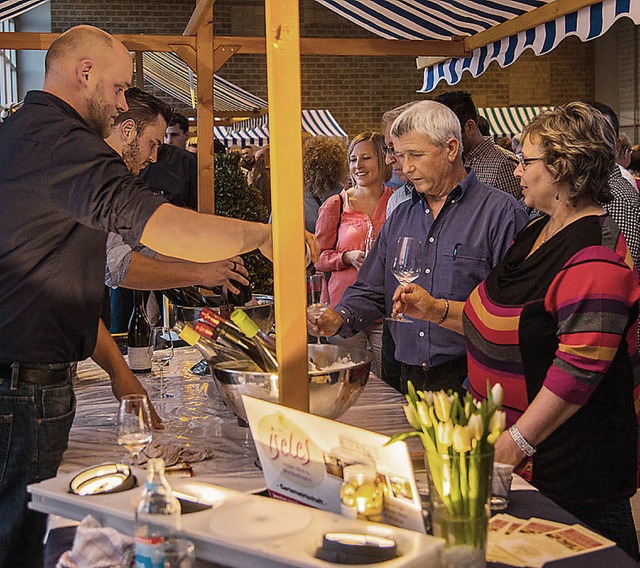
(348, 224)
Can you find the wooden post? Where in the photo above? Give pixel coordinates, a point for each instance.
(285, 126)
(204, 50)
(139, 70)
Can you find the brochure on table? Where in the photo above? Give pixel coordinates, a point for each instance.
(303, 457)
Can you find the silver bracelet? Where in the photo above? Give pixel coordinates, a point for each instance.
(446, 312)
(521, 442)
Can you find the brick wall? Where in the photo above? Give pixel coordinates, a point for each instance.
(357, 90)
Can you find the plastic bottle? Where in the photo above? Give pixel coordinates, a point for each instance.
(265, 344)
(157, 518)
(138, 336)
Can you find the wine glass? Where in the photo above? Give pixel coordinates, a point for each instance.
(315, 306)
(161, 351)
(134, 424)
(406, 266)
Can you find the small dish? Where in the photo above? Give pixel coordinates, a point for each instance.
(103, 479)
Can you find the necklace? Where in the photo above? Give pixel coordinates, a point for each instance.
(548, 236)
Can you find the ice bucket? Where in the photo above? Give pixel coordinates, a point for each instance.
(332, 391)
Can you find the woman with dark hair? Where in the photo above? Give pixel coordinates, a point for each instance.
(348, 224)
(555, 324)
(324, 165)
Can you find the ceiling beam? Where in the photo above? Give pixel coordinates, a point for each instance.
(531, 19)
(187, 54)
(241, 113)
(346, 46)
(203, 10)
(222, 54)
(134, 42)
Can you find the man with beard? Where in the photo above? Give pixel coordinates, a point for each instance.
(248, 159)
(63, 189)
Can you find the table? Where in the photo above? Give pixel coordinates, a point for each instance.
(192, 417)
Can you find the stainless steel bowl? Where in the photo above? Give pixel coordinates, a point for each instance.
(262, 314)
(331, 392)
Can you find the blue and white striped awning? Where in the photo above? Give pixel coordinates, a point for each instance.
(315, 122)
(13, 9)
(170, 74)
(252, 136)
(587, 23)
(429, 19)
(509, 121)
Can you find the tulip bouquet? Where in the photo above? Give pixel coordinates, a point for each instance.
(458, 435)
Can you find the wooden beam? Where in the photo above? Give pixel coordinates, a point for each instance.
(241, 113)
(139, 70)
(285, 145)
(531, 19)
(222, 54)
(134, 42)
(203, 10)
(204, 70)
(345, 46)
(187, 54)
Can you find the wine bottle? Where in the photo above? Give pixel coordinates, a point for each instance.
(157, 518)
(265, 344)
(242, 298)
(226, 334)
(138, 336)
(211, 352)
(188, 297)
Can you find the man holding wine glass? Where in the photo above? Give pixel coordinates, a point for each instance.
(461, 227)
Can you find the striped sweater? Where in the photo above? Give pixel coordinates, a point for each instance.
(565, 317)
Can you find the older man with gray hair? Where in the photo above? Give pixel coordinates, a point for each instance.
(464, 227)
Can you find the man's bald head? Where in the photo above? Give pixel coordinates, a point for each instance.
(81, 41)
(90, 70)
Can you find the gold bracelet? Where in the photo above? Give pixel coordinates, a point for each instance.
(446, 312)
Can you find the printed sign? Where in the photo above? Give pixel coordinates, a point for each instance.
(303, 457)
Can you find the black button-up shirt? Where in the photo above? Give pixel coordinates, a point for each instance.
(62, 188)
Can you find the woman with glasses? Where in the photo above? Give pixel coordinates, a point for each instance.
(555, 323)
(348, 224)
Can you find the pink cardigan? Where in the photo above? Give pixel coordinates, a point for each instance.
(354, 227)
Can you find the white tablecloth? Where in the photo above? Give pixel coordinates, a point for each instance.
(193, 418)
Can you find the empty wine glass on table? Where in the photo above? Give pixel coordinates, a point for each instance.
(407, 265)
(134, 424)
(315, 306)
(161, 352)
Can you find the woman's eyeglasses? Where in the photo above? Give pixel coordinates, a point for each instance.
(524, 162)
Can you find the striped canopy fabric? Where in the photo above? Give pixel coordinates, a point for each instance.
(429, 19)
(252, 136)
(315, 122)
(14, 8)
(588, 23)
(509, 121)
(443, 19)
(170, 74)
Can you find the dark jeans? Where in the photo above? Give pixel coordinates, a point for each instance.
(448, 376)
(612, 520)
(34, 428)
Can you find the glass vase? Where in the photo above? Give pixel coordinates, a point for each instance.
(459, 491)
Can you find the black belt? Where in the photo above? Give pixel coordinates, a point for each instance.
(36, 373)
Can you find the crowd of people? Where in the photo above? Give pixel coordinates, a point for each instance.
(527, 267)
(528, 278)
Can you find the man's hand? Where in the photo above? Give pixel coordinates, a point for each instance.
(128, 383)
(327, 324)
(416, 302)
(221, 273)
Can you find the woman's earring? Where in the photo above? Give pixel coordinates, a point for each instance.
(557, 196)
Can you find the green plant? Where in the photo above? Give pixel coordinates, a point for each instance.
(234, 197)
